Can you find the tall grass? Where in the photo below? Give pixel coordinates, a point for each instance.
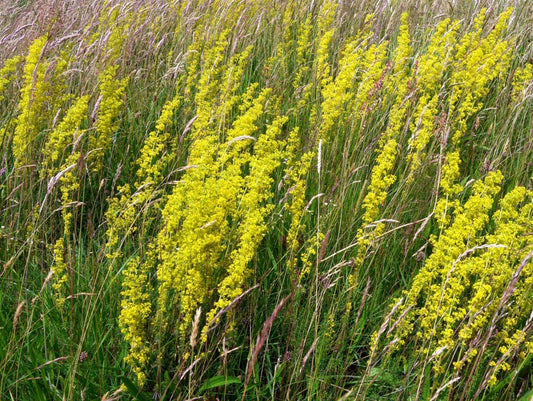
(281, 200)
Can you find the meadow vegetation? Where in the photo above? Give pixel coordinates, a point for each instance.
(284, 200)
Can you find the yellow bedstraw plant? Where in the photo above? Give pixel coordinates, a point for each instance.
(338, 92)
(326, 31)
(430, 70)
(197, 216)
(125, 208)
(7, 73)
(136, 308)
(135, 288)
(296, 171)
(473, 292)
(155, 154)
(266, 200)
(209, 194)
(252, 212)
(197, 229)
(478, 61)
(32, 102)
(382, 177)
(111, 101)
(122, 214)
(522, 80)
(61, 156)
(202, 168)
(110, 106)
(58, 141)
(42, 95)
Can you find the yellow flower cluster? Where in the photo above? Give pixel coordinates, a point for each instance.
(112, 24)
(447, 203)
(59, 270)
(338, 92)
(152, 156)
(231, 81)
(196, 216)
(434, 61)
(110, 106)
(155, 153)
(208, 84)
(302, 49)
(6, 73)
(458, 238)
(431, 67)
(10, 66)
(495, 267)
(511, 281)
(135, 311)
(120, 215)
(196, 229)
(61, 137)
(252, 212)
(522, 79)
(42, 96)
(111, 101)
(60, 163)
(296, 171)
(326, 32)
(477, 63)
(382, 177)
(403, 53)
(422, 128)
(306, 60)
(473, 290)
(125, 208)
(32, 100)
(373, 69)
(212, 207)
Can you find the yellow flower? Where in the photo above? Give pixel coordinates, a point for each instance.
(110, 107)
(522, 79)
(253, 211)
(382, 173)
(6, 71)
(197, 229)
(62, 136)
(337, 93)
(296, 171)
(432, 65)
(135, 310)
(33, 97)
(466, 282)
(59, 269)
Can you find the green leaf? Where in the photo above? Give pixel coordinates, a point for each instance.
(218, 381)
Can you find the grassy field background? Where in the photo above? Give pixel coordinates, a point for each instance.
(284, 200)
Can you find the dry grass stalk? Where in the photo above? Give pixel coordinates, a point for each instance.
(262, 337)
(195, 327)
(18, 312)
(308, 354)
(213, 323)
